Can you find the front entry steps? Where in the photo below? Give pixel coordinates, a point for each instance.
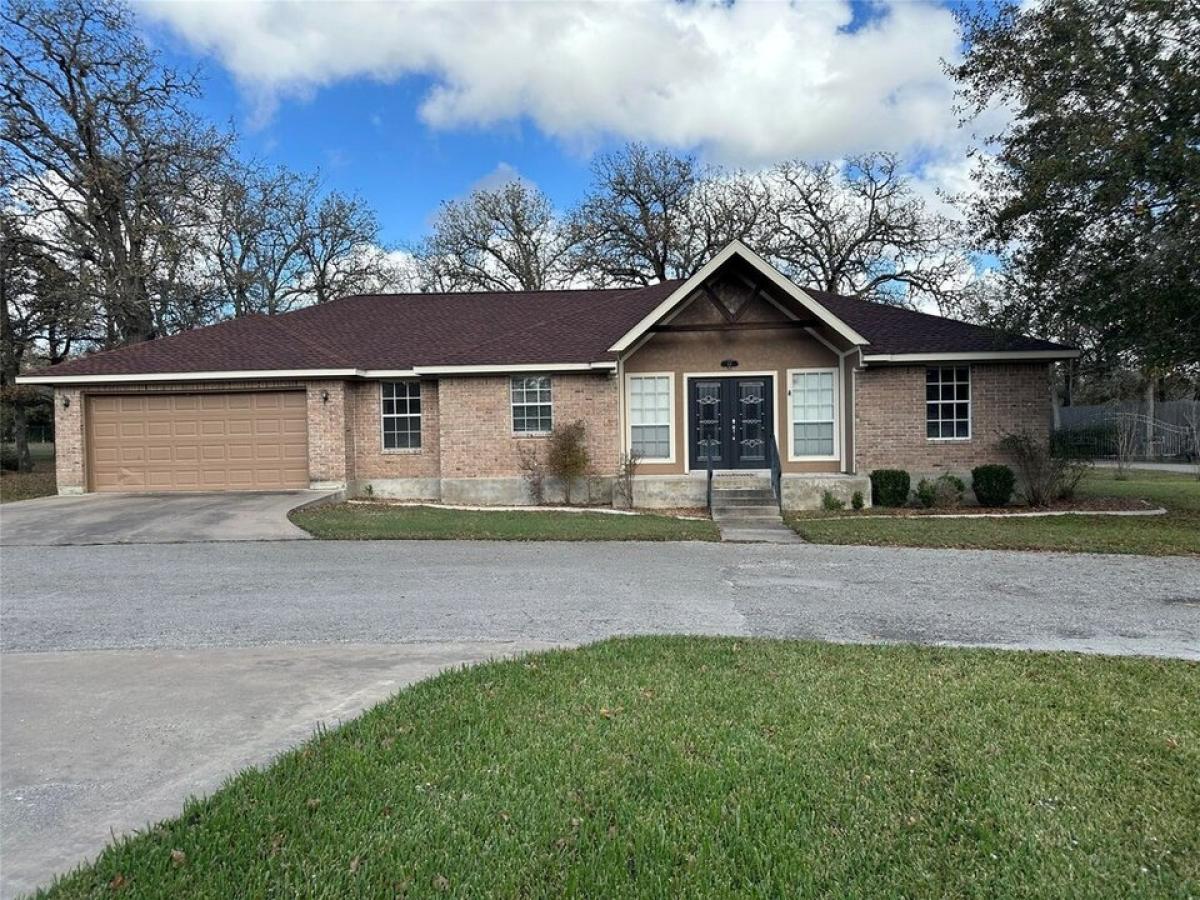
(746, 512)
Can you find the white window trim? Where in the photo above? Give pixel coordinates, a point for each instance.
(836, 456)
(670, 376)
(402, 451)
(773, 374)
(512, 405)
(970, 408)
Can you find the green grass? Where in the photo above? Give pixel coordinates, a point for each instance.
(362, 521)
(1177, 533)
(41, 482)
(662, 767)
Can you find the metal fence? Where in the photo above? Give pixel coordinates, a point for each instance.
(1107, 431)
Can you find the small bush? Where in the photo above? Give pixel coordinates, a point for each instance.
(948, 491)
(993, 484)
(926, 493)
(856, 500)
(1045, 475)
(567, 457)
(533, 471)
(830, 503)
(889, 487)
(9, 461)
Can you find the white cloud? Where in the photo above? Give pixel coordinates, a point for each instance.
(746, 83)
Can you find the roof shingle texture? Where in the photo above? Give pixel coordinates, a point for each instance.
(402, 331)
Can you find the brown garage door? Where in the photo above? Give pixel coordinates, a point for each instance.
(197, 442)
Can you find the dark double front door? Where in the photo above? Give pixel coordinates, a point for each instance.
(730, 419)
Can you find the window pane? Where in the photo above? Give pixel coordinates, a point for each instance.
(401, 415)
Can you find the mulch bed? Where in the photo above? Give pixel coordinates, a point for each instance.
(1079, 504)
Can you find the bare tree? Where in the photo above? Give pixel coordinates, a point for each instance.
(860, 229)
(632, 227)
(339, 243)
(255, 242)
(102, 146)
(507, 239)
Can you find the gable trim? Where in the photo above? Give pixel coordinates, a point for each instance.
(737, 248)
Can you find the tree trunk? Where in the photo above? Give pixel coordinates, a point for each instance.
(21, 438)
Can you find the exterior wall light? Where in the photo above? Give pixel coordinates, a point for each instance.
(324, 396)
(66, 401)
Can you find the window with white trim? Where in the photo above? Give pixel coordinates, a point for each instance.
(650, 416)
(401, 415)
(531, 405)
(813, 412)
(948, 402)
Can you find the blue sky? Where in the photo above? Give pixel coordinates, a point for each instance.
(411, 105)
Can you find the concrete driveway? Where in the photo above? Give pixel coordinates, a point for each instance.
(154, 518)
(134, 675)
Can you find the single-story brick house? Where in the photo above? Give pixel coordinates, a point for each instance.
(430, 396)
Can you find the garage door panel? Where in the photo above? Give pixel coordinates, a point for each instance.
(235, 441)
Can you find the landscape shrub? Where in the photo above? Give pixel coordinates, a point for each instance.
(993, 484)
(830, 503)
(1045, 476)
(889, 487)
(925, 493)
(856, 500)
(948, 491)
(533, 471)
(8, 459)
(567, 457)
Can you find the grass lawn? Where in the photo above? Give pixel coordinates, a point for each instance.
(40, 482)
(364, 521)
(714, 767)
(1177, 533)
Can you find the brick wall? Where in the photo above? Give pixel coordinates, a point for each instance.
(68, 441)
(327, 431)
(890, 416)
(475, 422)
(369, 458)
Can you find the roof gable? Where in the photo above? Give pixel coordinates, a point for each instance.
(737, 250)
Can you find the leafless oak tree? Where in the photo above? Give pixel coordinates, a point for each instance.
(506, 239)
(860, 229)
(104, 150)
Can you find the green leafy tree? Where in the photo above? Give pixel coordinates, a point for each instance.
(1091, 192)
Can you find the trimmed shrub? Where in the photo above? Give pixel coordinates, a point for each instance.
(8, 459)
(830, 503)
(856, 500)
(993, 484)
(889, 487)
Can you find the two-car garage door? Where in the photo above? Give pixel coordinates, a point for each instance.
(197, 442)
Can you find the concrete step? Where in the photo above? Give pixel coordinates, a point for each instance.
(760, 499)
(736, 493)
(765, 511)
(752, 531)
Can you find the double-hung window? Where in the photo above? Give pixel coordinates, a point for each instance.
(531, 405)
(650, 416)
(814, 413)
(401, 415)
(948, 402)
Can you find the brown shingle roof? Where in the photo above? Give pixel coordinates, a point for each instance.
(894, 329)
(402, 331)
